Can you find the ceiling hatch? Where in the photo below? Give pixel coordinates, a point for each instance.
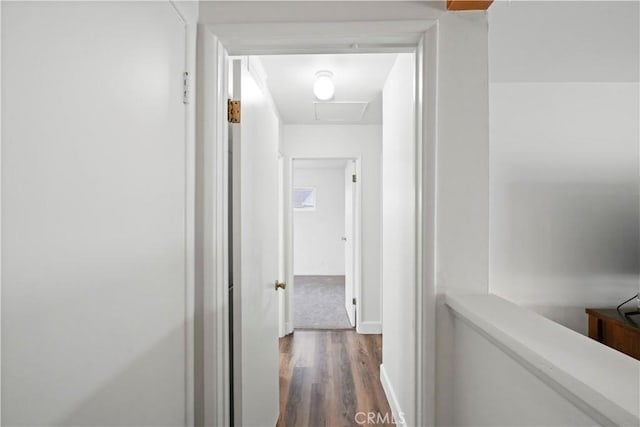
(340, 111)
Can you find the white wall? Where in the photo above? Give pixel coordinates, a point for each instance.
(95, 208)
(318, 248)
(365, 143)
(461, 176)
(485, 391)
(399, 236)
(565, 208)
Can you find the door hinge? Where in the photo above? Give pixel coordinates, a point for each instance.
(354, 178)
(354, 301)
(185, 87)
(233, 111)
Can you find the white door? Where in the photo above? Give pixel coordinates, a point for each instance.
(349, 210)
(255, 253)
(93, 214)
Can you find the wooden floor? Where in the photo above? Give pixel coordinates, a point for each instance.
(331, 378)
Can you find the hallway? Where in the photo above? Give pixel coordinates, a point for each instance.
(331, 378)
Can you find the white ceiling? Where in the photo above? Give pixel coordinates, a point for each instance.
(357, 78)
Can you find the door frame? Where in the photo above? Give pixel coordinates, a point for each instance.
(214, 41)
(287, 315)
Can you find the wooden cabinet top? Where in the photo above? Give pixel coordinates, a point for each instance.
(613, 315)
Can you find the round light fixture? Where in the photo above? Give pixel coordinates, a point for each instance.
(323, 87)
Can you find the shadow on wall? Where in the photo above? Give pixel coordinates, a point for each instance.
(125, 399)
(565, 246)
(587, 229)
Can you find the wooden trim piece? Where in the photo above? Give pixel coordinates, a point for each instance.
(468, 4)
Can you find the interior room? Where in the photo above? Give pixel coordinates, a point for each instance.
(322, 248)
(149, 155)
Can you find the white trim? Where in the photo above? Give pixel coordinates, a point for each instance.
(1, 7)
(357, 250)
(351, 308)
(222, 244)
(189, 230)
(419, 203)
(369, 327)
(235, 201)
(190, 65)
(427, 127)
(288, 243)
(212, 230)
(321, 37)
(398, 413)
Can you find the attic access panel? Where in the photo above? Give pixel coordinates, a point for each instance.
(340, 111)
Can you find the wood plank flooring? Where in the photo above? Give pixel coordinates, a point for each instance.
(331, 378)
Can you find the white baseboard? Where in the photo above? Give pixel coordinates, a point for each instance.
(369, 328)
(398, 414)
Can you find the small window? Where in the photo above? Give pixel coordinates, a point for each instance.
(304, 199)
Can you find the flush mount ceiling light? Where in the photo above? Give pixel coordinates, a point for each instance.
(323, 87)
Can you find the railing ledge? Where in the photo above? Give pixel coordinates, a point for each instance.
(603, 382)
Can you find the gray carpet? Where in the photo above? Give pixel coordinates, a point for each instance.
(318, 303)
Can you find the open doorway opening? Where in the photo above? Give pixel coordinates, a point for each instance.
(363, 138)
(254, 322)
(323, 199)
(334, 150)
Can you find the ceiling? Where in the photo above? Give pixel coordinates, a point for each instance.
(358, 78)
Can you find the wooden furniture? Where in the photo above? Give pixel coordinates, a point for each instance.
(615, 330)
(468, 4)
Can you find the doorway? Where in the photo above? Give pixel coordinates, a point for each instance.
(217, 102)
(325, 131)
(323, 223)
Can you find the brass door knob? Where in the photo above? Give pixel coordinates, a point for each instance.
(280, 285)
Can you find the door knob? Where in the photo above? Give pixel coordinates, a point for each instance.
(280, 285)
(343, 238)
